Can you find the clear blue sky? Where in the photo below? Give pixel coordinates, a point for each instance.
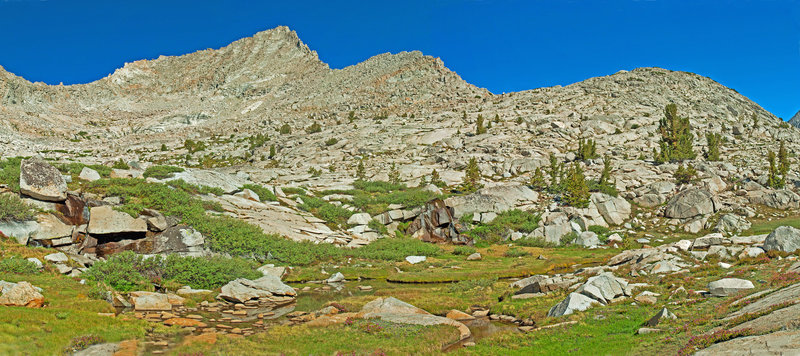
(751, 46)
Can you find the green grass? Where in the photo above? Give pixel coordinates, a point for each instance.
(74, 169)
(332, 214)
(161, 172)
(12, 208)
(363, 337)
(765, 227)
(17, 265)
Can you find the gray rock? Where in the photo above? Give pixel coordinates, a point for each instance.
(267, 287)
(732, 223)
(728, 286)
(35, 261)
(227, 182)
(58, 257)
(587, 239)
(779, 199)
(40, 180)
(336, 278)
(359, 219)
(784, 238)
(272, 271)
(89, 174)
(492, 199)
(415, 259)
(474, 257)
(98, 350)
(572, 303)
(776, 343)
(690, 203)
(149, 301)
(615, 210)
(105, 220)
(20, 231)
(661, 315)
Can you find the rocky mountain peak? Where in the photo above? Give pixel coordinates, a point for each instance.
(795, 120)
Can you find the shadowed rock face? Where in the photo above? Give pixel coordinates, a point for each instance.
(437, 224)
(74, 211)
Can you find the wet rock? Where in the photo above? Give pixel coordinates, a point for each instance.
(784, 238)
(40, 180)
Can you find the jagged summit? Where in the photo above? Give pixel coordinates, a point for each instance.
(795, 120)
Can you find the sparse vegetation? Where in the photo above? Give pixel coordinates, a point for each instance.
(161, 172)
(472, 176)
(12, 208)
(676, 137)
(587, 149)
(576, 191)
(684, 175)
(714, 141)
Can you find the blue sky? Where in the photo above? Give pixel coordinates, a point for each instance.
(751, 46)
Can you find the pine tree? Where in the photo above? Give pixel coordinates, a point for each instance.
(394, 175)
(783, 160)
(605, 174)
(676, 137)
(472, 176)
(576, 191)
(556, 173)
(773, 180)
(537, 180)
(361, 172)
(684, 175)
(714, 140)
(272, 152)
(479, 129)
(587, 149)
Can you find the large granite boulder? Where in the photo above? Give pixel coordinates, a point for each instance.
(602, 288)
(40, 180)
(107, 221)
(437, 224)
(784, 239)
(180, 239)
(397, 311)
(491, 199)
(615, 210)
(227, 182)
(268, 288)
(690, 203)
(21, 294)
(732, 223)
(21, 231)
(778, 199)
(729, 286)
(572, 303)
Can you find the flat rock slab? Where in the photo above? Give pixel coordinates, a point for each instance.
(39, 180)
(777, 343)
(227, 182)
(105, 220)
(397, 311)
(785, 318)
(786, 294)
(242, 290)
(729, 286)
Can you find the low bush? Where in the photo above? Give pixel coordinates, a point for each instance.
(468, 285)
(464, 250)
(12, 208)
(75, 168)
(396, 249)
(9, 173)
(264, 194)
(505, 222)
(18, 265)
(534, 242)
(324, 210)
(516, 252)
(128, 271)
(161, 172)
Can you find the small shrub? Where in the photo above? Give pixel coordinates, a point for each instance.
(18, 265)
(331, 141)
(515, 252)
(587, 149)
(471, 284)
(285, 129)
(82, 342)
(684, 175)
(568, 239)
(161, 172)
(377, 226)
(313, 128)
(9, 173)
(464, 250)
(264, 194)
(120, 164)
(12, 208)
(534, 242)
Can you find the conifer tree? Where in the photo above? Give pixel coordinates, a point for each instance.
(587, 149)
(714, 140)
(684, 175)
(676, 137)
(436, 179)
(773, 179)
(472, 176)
(576, 191)
(394, 175)
(783, 160)
(361, 172)
(537, 180)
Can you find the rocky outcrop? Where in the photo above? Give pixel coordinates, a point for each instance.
(492, 200)
(729, 286)
(394, 310)
(778, 199)
(572, 303)
(437, 224)
(784, 239)
(690, 203)
(266, 289)
(107, 221)
(40, 180)
(615, 210)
